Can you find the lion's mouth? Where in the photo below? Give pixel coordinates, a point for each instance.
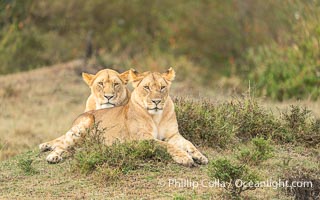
(108, 103)
(155, 109)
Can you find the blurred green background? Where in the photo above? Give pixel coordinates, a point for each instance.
(273, 44)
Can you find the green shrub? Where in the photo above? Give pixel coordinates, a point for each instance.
(303, 127)
(222, 125)
(231, 174)
(25, 164)
(253, 120)
(258, 151)
(296, 119)
(205, 123)
(120, 158)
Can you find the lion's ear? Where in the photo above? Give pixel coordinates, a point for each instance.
(169, 75)
(125, 76)
(135, 77)
(87, 78)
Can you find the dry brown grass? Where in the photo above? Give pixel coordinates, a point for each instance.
(41, 105)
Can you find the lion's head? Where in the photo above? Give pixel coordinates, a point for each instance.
(151, 89)
(108, 87)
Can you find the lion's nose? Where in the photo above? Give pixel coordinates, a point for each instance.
(109, 96)
(156, 101)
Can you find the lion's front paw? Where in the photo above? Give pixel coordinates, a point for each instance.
(45, 147)
(200, 159)
(53, 158)
(185, 160)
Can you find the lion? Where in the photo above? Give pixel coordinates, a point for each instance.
(149, 115)
(108, 89)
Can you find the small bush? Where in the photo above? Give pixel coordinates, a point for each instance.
(252, 120)
(204, 123)
(221, 125)
(297, 118)
(25, 164)
(258, 151)
(120, 158)
(224, 124)
(231, 174)
(302, 126)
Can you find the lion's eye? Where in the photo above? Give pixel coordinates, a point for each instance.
(146, 87)
(116, 84)
(100, 83)
(163, 88)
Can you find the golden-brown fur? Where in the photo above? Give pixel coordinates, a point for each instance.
(149, 115)
(108, 90)
(106, 84)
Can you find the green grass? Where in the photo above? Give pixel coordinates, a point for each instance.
(25, 164)
(66, 180)
(257, 151)
(240, 120)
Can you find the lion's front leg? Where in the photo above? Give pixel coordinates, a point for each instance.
(187, 146)
(66, 142)
(49, 146)
(177, 154)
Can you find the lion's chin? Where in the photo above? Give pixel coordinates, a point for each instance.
(106, 105)
(155, 112)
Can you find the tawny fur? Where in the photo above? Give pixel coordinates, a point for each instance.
(149, 115)
(102, 84)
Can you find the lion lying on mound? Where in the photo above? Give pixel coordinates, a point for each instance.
(108, 89)
(149, 115)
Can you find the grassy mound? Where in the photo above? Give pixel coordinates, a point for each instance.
(109, 162)
(242, 139)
